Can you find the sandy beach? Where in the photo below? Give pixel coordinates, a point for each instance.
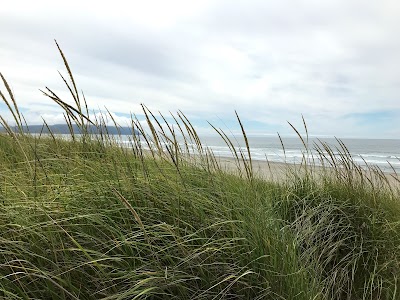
(278, 171)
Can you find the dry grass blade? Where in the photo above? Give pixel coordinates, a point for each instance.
(166, 124)
(369, 169)
(67, 85)
(7, 128)
(299, 135)
(68, 108)
(153, 132)
(393, 169)
(182, 133)
(176, 151)
(136, 145)
(85, 102)
(49, 130)
(214, 163)
(131, 209)
(230, 145)
(155, 119)
(68, 121)
(138, 149)
(249, 166)
(343, 146)
(283, 145)
(395, 177)
(116, 125)
(76, 102)
(64, 105)
(74, 94)
(191, 131)
(305, 127)
(248, 170)
(161, 136)
(15, 111)
(139, 127)
(188, 128)
(332, 159)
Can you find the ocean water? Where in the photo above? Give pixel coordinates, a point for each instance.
(384, 153)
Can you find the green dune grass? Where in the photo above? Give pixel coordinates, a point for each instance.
(85, 218)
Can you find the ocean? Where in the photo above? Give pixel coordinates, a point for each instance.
(384, 153)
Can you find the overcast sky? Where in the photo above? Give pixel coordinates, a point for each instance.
(337, 62)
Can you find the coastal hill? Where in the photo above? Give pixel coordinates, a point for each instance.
(64, 129)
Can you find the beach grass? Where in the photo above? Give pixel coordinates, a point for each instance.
(88, 218)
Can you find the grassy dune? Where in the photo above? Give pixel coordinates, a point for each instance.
(89, 219)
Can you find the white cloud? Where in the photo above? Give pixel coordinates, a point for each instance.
(270, 60)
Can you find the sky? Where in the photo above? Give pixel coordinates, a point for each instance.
(335, 62)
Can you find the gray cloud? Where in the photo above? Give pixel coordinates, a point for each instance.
(270, 60)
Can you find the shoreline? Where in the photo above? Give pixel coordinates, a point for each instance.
(278, 170)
